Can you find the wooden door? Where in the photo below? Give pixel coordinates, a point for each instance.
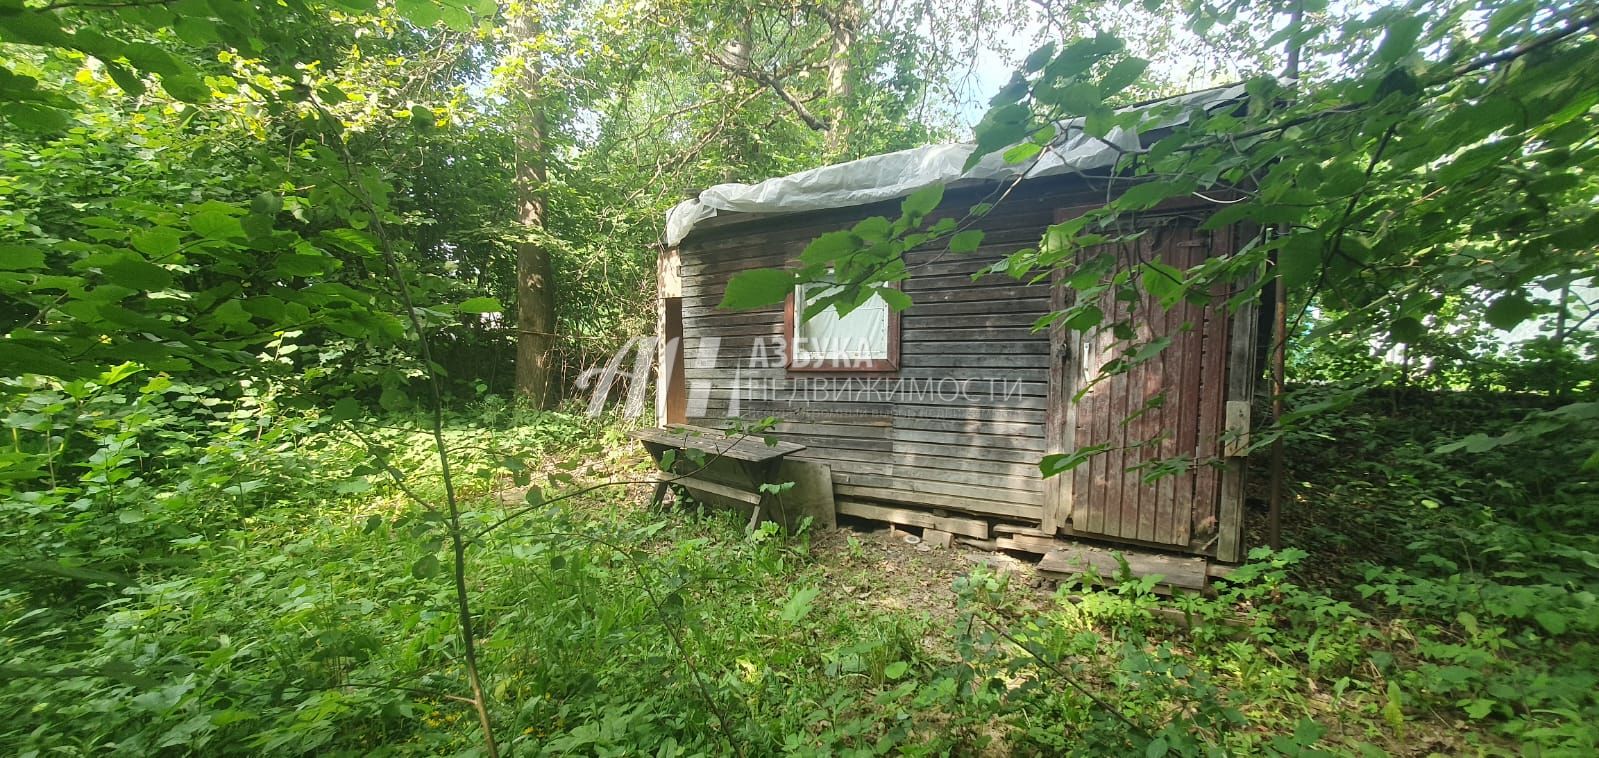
(674, 408)
(1160, 422)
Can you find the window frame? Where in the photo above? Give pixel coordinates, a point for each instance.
(889, 364)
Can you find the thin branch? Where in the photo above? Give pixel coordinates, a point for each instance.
(100, 4)
(772, 83)
(458, 544)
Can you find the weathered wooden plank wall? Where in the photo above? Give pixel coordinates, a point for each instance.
(972, 443)
(981, 396)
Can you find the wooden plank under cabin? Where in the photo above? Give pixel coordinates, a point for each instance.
(976, 528)
(1074, 559)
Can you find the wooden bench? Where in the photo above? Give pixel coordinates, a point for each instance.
(729, 468)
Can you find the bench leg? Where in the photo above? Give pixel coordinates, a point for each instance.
(657, 501)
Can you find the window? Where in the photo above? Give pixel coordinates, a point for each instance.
(865, 340)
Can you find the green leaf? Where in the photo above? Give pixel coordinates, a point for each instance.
(1393, 710)
(966, 242)
(1147, 195)
(425, 567)
(1022, 152)
(157, 242)
(393, 399)
(1080, 56)
(266, 204)
(1408, 329)
(34, 117)
(1078, 99)
(422, 13)
(346, 409)
(799, 604)
(353, 240)
(1156, 748)
(480, 305)
(1000, 128)
(897, 300)
(758, 288)
(1011, 92)
(1060, 463)
(830, 246)
(154, 59)
(1163, 282)
(1122, 75)
(214, 224)
(455, 16)
(304, 264)
(1553, 622)
(1299, 261)
(1084, 317)
(1039, 57)
(422, 118)
(1508, 311)
(534, 495)
(922, 201)
(896, 669)
(186, 87)
(1400, 39)
(127, 80)
(137, 273)
(1341, 179)
(18, 359)
(20, 258)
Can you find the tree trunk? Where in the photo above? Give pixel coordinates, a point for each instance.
(845, 24)
(535, 277)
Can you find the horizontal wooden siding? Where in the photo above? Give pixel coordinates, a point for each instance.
(959, 427)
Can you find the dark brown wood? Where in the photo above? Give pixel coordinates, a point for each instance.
(913, 517)
(1059, 415)
(1241, 376)
(907, 495)
(674, 392)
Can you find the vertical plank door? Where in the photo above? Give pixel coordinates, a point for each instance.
(1160, 420)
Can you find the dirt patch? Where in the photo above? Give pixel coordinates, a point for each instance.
(892, 569)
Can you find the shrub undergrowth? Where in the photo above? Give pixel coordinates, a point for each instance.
(196, 571)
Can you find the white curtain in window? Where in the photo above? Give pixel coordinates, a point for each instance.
(862, 335)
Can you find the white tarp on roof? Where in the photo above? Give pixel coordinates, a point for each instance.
(891, 175)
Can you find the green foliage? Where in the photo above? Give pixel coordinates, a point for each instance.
(1387, 173)
(214, 543)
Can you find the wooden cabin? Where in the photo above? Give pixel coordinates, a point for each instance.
(938, 416)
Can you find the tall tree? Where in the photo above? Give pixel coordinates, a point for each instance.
(535, 276)
(844, 22)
